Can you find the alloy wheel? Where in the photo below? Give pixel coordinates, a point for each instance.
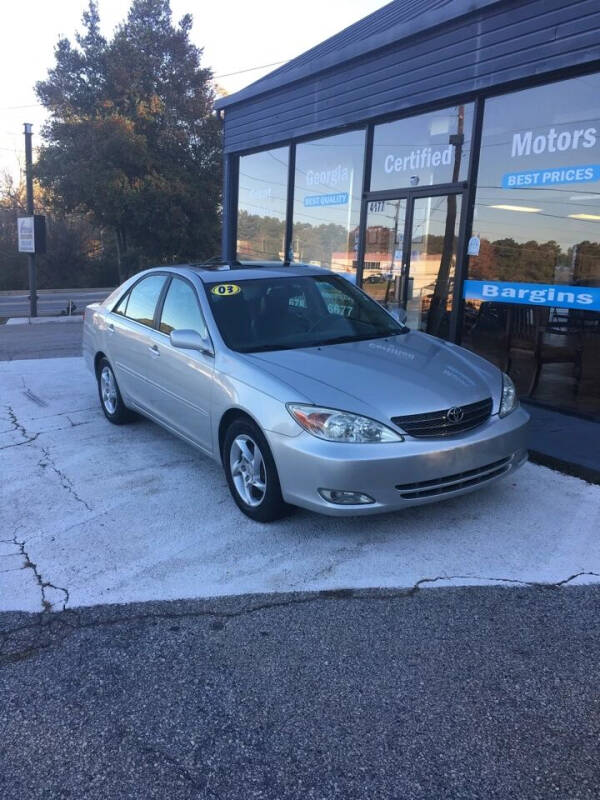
(108, 390)
(248, 470)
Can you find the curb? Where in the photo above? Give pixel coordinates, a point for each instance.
(588, 474)
(41, 320)
(82, 289)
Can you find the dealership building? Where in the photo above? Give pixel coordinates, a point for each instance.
(446, 156)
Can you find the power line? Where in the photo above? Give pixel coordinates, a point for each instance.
(250, 69)
(215, 77)
(15, 108)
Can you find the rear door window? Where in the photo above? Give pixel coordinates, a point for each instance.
(121, 306)
(143, 299)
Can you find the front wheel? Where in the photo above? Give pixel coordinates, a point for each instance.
(251, 473)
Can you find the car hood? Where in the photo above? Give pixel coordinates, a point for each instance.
(412, 373)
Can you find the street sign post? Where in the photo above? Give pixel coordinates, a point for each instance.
(29, 229)
(32, 234)
(26, 233)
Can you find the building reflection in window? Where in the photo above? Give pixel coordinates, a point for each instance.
(262, 205)
(327, 195)
(537, 219)
(424, 150)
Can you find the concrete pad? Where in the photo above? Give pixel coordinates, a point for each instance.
(19, 586)
(117, 514)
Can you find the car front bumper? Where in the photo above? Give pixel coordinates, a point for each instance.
(398, 475)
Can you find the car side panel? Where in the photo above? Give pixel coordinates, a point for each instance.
(129, 349)
(182, 389)
(94, 333)
(233, 390)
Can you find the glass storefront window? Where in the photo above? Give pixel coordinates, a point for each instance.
(532, 301)
(424, 150)
(327, 194)
(414, 267)
(262, 203)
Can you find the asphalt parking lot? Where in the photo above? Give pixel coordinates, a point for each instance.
(478, 693)
(126, 514)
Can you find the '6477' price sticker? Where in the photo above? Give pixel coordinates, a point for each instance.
(226, 289)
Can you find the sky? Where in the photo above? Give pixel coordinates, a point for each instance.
(236, 35)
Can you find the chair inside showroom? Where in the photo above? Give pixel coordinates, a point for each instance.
(588, 385)
(486, 328)
(529, 333)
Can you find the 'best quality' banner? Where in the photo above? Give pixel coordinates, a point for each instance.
(539, 294)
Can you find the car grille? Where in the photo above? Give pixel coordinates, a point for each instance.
(440, 423)
(452, 483)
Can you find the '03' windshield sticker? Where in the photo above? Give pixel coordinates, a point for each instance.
(226, 289)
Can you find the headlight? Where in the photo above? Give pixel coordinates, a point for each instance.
(509, 396)
(341, 426)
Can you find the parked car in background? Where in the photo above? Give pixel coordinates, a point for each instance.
(306, 390)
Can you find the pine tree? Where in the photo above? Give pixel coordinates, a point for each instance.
(132, 136)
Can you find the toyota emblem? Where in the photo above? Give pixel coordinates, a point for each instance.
(455, 415)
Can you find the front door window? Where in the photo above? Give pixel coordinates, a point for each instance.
(410, 257)
(433, 248)
(384, 251)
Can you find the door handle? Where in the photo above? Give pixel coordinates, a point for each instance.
(154, 351)
(110, 327)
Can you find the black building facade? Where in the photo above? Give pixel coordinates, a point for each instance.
(446, 156)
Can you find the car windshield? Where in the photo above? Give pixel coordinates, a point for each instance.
(268, 313)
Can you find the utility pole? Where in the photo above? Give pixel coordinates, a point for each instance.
(29, 184)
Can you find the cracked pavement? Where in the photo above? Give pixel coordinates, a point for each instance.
(93, 513)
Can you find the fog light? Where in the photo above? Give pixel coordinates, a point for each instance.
(342, 498)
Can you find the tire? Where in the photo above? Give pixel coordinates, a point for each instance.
(111, 401)
(254, 485)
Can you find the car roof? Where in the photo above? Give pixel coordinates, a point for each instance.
(219, 272)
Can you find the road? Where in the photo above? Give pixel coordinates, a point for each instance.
(49, 302)
(43, 340)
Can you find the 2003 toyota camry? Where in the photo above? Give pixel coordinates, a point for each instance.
(306, 390)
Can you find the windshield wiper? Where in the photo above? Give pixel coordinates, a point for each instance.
(348, 339)
(264, 348)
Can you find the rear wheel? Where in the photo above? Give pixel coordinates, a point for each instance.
(251, 473)
(111, 401)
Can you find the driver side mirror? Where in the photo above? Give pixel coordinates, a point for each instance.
(191, 340)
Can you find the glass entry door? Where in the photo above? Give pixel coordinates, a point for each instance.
(410, 257)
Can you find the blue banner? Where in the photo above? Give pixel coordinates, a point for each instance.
(538, 294)
(339, 199)
(554, 176)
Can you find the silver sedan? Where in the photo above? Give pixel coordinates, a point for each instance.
(305, 389)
